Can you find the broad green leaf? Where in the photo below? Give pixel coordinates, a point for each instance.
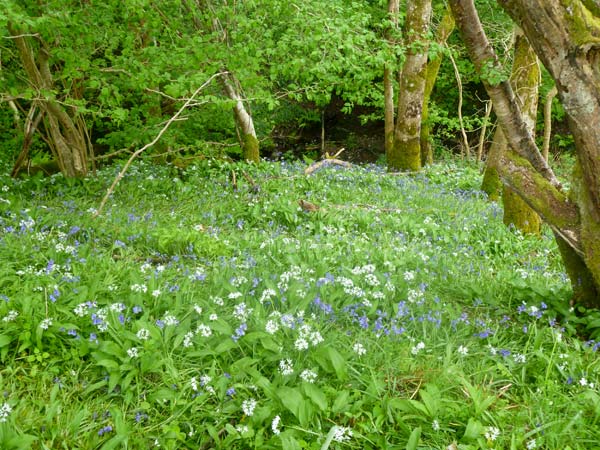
(5, 340)
(316, 395)
(413, 440)
(291, 398)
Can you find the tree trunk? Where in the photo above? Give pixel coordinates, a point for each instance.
(491, 184)
(548, 121)
(66, 134)
(444, 30)
(525, 81)
(406, 151)
(564, 38)
(248, 141)
(388, 82)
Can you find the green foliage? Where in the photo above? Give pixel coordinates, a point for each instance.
(402, 314)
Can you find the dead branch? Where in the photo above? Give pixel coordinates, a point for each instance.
(325, 162)
(154, 141)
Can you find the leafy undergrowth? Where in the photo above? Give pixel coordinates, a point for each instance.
(200, 313)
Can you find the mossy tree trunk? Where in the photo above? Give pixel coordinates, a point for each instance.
(248, 140)
(525, 80)
(388, 80)
(444, 29)
(563, 34)
(66, 132)
(405, 153)
(491, 184)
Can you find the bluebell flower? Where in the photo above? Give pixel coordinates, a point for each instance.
(103, 430)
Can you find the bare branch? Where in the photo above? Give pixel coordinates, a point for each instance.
(154, 141)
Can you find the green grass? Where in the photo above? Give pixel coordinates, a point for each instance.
(195, 314)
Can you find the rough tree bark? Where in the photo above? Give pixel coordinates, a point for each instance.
(444, 29)
(66, 133)
(525, 81)
(388, 82)
(406, 151)
(564, 36)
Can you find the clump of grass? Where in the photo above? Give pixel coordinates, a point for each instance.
(199, 313)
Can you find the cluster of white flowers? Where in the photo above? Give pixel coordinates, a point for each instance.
(203, 330)
(248, 406)
(117, 307)
(266, 295)
(217, 301)
(275, 425)
(5, 411)
(203, 382)
(46, 323)
(359, 349)
(414, 295)
(492, 433)
(462, 350)
(139, 288)
(309, 376)
(417, 348)
(188, 339)
(143, 334)
(239, 281)
(372, 280)
(234, 295)
(342, 434)
(409, 275)
(133, 352)
(62, 248)
(272, 326)
(286, 367)
(170, 319)
(11, 316)
(519, 358)
(306, 337)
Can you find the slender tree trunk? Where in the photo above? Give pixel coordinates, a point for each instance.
(248, 141)
(564, 36)
(406, 151)
(66, 135)
(548, 121)
(486, 119)
(442, 33)
(388, 82)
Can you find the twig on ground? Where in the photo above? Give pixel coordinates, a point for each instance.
(325, 162)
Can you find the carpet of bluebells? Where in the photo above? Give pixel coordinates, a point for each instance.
(203, 308)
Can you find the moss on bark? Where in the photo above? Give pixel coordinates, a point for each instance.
(250, 150)
(491, 184)
(585, 291)
(406, 155)
(519, 214)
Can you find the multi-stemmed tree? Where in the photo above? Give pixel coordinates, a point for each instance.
(564, 35)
